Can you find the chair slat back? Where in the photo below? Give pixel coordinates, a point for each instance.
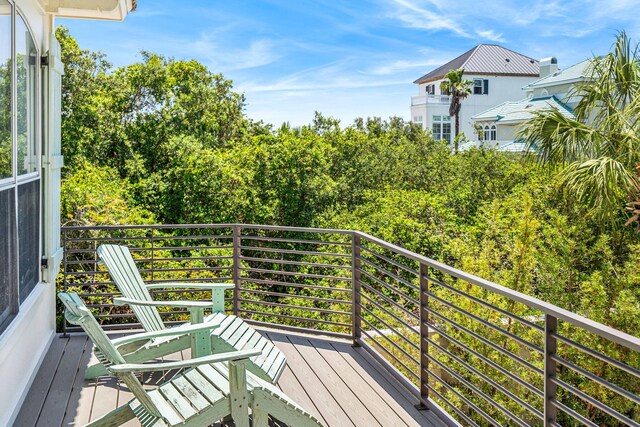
(78, 314)
(126, 276)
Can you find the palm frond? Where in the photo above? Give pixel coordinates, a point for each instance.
(558, 139)
(602, 184)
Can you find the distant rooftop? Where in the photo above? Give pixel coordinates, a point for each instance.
(572, 74)
(487, 59)
(518, 111)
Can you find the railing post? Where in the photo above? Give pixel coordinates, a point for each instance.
(550, 388)
(236, 269)
(356, 298)
(424, 336)
(153, 256)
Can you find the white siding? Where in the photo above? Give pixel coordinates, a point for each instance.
(501, 88)
(507, 132)
(562, 92)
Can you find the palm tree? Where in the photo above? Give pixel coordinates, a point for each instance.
(458, 89)
(598, 152)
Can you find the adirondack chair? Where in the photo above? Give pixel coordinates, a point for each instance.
(232, 334)
(208, 388)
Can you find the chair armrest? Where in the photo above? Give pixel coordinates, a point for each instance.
(217, 291)
(178, 330)
(201, 286)
(165, 366)
(186, 304)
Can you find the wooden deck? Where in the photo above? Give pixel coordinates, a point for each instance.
(341, 385)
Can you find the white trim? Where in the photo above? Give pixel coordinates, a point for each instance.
(7, 182)
(32, 377)
(28, 177)
(25, 307)
(8, 339)
(535, 85)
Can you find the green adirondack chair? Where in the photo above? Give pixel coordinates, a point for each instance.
(232, 334)
(207, 389)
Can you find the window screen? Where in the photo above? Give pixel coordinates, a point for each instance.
(7, 255)
(28, 237)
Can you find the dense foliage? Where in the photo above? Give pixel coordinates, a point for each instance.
(167, 141)
(597, 152)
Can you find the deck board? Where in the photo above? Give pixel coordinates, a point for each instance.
(355, 410)
(329, 408)
(390, 390)
(55, 404)
(341, 385)
(371, 401)
(36, 397)
(81, 395)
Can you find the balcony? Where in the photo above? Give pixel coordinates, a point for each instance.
(430, 99)
(464, 350)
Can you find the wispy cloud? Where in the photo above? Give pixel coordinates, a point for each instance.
(426, 17)
(231, 58)
(491, 35)
(565, 18)
(402, 65)
(338, 75)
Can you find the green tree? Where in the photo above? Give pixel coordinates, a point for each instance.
(83, 83)
(458, 88)
(95, 195)
(598, 151)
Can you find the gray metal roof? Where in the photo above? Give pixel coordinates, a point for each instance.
(519, 111)
(574, 73)
(487, 59)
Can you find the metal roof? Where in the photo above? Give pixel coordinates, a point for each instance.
(574, 73)
(519, 111)
(487, 59)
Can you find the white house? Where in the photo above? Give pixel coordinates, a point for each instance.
(559, 83)
(498, 75)
(30, 163)
(499, 124)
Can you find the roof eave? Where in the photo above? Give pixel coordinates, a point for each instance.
(488, 74)
(536, 85)
(484, 119)
(110, 10)
(512, 121)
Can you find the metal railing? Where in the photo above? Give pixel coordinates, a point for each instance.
(475, 352)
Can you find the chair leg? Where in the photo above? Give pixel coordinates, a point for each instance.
(116, 417)
(260, 418)
(238, 393)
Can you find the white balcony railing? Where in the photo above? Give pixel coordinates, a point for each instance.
(430, 99)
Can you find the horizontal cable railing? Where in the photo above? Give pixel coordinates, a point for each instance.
(476, 352)
(489, 355)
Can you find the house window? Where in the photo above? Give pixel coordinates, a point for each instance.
(441, 128)
(417, 119)
(490, 133)
(430, 89)
(19, 169)
(480, 86)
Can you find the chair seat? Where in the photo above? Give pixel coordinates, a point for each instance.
(203, 392)
(235, 334)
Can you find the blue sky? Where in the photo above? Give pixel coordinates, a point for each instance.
(349, 58)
